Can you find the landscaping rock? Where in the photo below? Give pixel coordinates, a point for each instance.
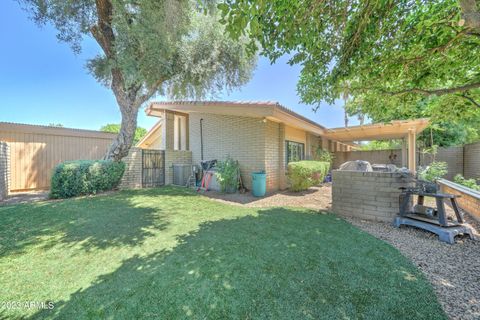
(453, 270)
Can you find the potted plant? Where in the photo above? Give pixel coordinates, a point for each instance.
(428, 176)
(227, 175)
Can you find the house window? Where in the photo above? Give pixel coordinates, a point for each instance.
(295, 151)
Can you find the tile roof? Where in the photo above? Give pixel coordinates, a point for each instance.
(238, 103)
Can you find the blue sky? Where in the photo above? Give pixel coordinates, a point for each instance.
(42, 81)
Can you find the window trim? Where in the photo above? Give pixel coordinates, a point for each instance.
(286, 150)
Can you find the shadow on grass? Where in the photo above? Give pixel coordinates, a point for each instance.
(280, 264)
(125, 218)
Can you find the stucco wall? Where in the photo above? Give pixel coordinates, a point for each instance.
(156, 142)
(4, 169)
(297, 135)
(367, 195)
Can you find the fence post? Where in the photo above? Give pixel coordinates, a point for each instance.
(4, 170)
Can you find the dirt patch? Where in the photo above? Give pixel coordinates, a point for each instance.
(24, 197)
(317, 198)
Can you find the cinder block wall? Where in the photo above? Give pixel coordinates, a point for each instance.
(175, 157)
(376, 156)
(132, 178)
(367, 195)
(453, 156)
(4, 169)
(472, 160)
(256, 144)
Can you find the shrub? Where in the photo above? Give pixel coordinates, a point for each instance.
(227, 174)
(433, 172)
(74, 178)
(323, 155)
(469, 183)
(305, 174)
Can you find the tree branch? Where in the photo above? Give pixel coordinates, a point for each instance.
(438, 49)
(144, 97)
(471, 100)
(434, 92)
(102, 31)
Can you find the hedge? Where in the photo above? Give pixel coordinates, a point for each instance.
(305, 174)
(75, 178)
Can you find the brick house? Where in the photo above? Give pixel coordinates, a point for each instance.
(260, 135)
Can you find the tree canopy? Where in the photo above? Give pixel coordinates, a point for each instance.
(115, 128)
(392, 58)
(175, 48)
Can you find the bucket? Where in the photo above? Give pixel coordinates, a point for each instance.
(259, 183)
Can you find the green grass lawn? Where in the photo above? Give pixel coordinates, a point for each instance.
(169, 253)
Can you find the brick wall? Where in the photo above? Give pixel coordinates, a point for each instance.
(4, 169)
(282, 179)
(472, 160)
(132, 178)
(272, 155)
(175, 157)
(243, 138)
(367, 195)
(469, 200)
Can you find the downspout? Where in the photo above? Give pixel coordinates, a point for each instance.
(201, 138)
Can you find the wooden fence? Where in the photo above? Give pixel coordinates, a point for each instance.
(36, 150)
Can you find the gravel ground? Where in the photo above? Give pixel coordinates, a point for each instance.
(453, 270)
(314, 198)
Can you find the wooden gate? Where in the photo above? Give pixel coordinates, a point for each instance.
(153, 168)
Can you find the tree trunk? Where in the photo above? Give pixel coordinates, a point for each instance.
(124, 140)
(470, 14)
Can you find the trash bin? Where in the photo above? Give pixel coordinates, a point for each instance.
(259, 183)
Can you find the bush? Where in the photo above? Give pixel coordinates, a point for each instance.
(323, 155)
(469, 183)
(433, 172)
(227, 174)
(74, 178)
(305, 174)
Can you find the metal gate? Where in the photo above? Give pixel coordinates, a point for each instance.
(153, 168)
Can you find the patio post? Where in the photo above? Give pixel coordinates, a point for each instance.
(412, 150)
(404, 152)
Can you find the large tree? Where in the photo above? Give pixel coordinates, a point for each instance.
(115, 128)
(419, 57)
(171, 47)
